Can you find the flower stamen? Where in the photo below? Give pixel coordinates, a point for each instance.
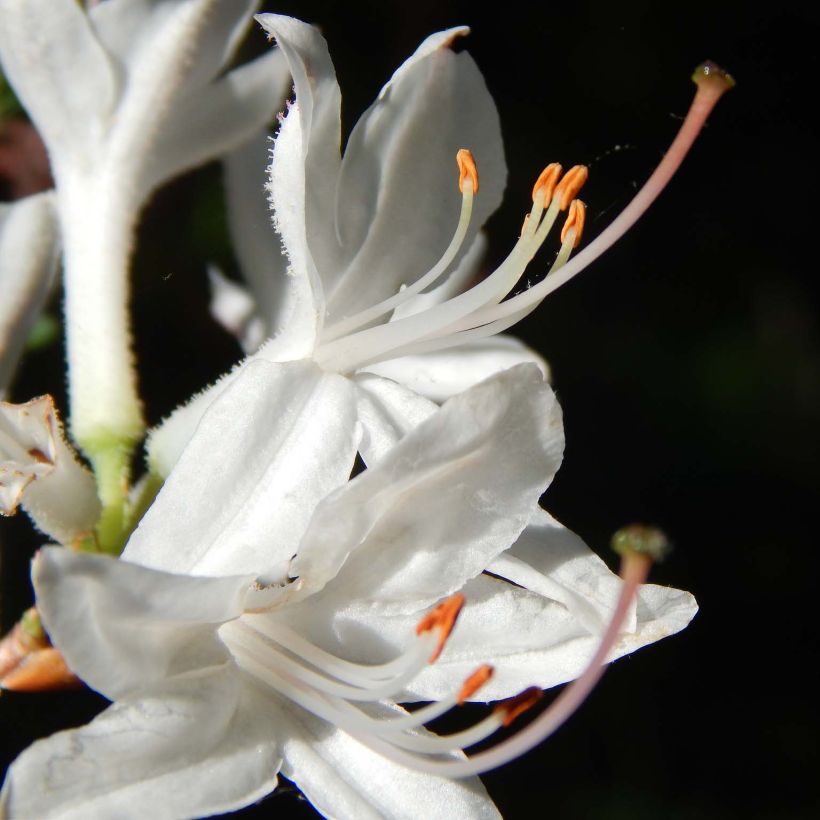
(468, 185)
(481, 312)
(443, 618)
(467, 171)
(570, 185)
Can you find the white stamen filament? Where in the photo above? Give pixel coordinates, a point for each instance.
(413, 661)
(259, 658)
(345, 326)
(480, 311)
(373, 344)
(278, 657)
(355, 673)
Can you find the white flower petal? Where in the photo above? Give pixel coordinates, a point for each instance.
(398, 201)
(41, 471)
(235, 309)
(532, 641)
(258, 250)
(387, 412)
(308, 170)
(444, 373)
(121, 627)
(448, 498)
(196, 745)
(60, 73)
(345, 780)
(277, 440)
(553, 561)
(218, 118)
(28, 264)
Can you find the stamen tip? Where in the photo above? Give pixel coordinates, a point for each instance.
(443, 618)
(466, 169)
(570, 185)
(641, 539)
(547, 179)
(475, 682)
(576, 219)
(518, 704)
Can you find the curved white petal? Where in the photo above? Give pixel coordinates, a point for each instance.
(28, 264)
(122, 627)
(398, 201)
(218, 118)
(345, 780)
(196, 745)
(444, 373)
(262, 263)
(41, 471)
(448, 498)
(387, 412)
(276, 441)
(235, 309)
(553, 561)
(307, 168)
(60, 72)
(532, 641)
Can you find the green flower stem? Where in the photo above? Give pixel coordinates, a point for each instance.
(111, 460)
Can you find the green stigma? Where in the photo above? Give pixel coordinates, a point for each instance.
(712, 72)
(641, 539)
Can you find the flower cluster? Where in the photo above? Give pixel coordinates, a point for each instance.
(248, 606)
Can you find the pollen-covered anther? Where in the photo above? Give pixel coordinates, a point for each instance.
(547, 179)
(518, 704)
(474, 683)
(466, 169)
(443, 618)
(570, 185)
(575, 222)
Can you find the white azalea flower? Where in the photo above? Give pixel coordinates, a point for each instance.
(292, 658)
(126, 95)
(369, 238)
(28, 263)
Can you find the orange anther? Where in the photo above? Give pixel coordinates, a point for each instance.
(575, 221)
(443, 618)
(41, 671)
(548, 179)
(514, 706)
(571, 183)
(466, 169)
(475, 682)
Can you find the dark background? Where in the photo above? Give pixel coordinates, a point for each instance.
(686, 362)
